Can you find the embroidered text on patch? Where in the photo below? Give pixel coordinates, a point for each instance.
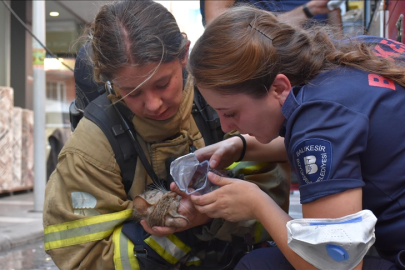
(313, 160)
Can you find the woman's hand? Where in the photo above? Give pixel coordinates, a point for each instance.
(224, 153)
(221, 154)
(235, 200)
(187, 209)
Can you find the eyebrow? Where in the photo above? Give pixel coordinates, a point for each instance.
(127, 88)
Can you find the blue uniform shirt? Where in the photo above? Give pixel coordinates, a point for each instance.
(346, 129)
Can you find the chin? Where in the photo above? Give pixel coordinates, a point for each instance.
(263, 140)
(170, 115)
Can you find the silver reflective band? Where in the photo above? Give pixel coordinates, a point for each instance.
(339, 243)
(170, 248)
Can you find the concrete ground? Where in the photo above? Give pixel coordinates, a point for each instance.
(19, 225)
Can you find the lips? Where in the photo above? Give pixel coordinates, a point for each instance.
(162, 116)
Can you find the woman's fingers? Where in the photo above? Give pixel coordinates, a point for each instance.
(203, 199)
(209, 210)
(234, 200)
(211, 197)
(217, 157)
(157, 231)
(217, 153)
(220, 180)
(205, 153)
(175, 188)
(146, 227)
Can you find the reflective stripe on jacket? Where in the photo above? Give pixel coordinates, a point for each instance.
(83, 230)
(124, 257)
(170, 248)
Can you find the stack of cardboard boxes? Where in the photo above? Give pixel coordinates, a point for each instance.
(16, 144)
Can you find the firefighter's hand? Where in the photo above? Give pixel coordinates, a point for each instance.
(158, 231)
(234, 201)
(187, 209)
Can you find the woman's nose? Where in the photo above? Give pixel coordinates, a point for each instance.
(227, 125)
(152, 102)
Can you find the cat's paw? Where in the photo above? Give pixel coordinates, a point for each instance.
(176, 221)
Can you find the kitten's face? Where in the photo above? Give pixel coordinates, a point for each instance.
(159, 208)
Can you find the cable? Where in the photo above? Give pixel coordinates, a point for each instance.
(32, 34)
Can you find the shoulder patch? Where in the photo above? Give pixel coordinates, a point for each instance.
(313, 160)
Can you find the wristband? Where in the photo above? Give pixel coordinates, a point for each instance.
(307, 12)
(244, 146)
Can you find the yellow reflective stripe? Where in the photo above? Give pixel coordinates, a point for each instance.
(117, 248)
(131, 256)
(82, 233)
(88, 221)
(77, 240)
(83, 230)
(247, 167)
(160, 250)
(193, 261)
(124, 257)
(175, 240)
(233, 165)
(260, 233)
(170, 248)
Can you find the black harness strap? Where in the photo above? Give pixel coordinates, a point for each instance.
(132, 134)
(103, 114)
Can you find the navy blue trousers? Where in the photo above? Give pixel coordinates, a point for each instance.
(272, 259)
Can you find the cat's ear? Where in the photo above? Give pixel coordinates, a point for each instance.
(141, 205)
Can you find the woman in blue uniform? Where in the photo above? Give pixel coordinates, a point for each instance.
(339, 106)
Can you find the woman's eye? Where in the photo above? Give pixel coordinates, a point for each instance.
(163, 85)
(134, 94)
(229, 115)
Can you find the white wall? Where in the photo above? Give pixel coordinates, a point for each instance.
(188, 17)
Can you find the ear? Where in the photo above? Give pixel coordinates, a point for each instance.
(184, 60)
(141, 205)
(281, 88)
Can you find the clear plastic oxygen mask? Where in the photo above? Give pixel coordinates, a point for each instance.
(333, 4)
(191, 176)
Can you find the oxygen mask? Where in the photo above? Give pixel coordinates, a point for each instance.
(191, 176)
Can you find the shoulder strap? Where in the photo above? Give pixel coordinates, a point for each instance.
(206, 119)
(122, 110)
(102, 113)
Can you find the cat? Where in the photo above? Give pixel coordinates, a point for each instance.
(159, 207)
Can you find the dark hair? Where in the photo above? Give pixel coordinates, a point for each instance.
(133, 32)
(243, 49)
